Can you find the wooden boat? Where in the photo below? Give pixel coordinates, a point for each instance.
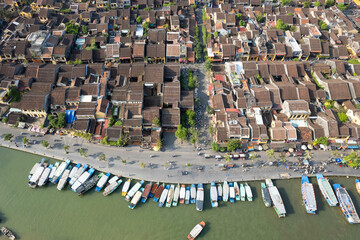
(269, 182)
(82, 179)
(213, 195)
(308, 195)
(237, 191)
(200, 197)
(265, 195)
(146, 192)
(196, 230)
(87, 185)
(45, 176)
(176, 195)
(133, 190)
(158, 192)
(136, 198)
(163, 195)
(101, 183)
(346, 204)
(248, 191)
(36, 176)
(182, 194)
(326, 190)
(187, 195)
(59, 171)
(153, 189)
(125, 187)
(63, 180)
(357, 184)
(53, 170)
(225, 191)
(170, 196)
(7, 233)
(192, 193)
(35, 167)
(219, 191)
(112, 185)
(277, 200)
(78, 173)
(73, 171)
(242, 192)
(232, 192)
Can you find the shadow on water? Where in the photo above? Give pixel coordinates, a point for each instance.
(288, 206)
(205, 231)
(2, 218)
(320, 201)
(354, 199)
(254, 192)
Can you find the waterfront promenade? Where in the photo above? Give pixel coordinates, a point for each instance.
(162, 166)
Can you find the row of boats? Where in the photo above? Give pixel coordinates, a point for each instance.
(333, 196)
(229, 192)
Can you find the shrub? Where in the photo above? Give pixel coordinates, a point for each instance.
(342, 117)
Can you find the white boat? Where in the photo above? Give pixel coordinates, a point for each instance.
(53, 170)
(232, 192)
(101, 183)
(163, 196)
(277, 201)
(45, 176)
(213, 195)
(133, 190)
(59, 171)
(125, 187)
(308, 195)
(248, 191)
(35, 167)
(219, 191)
(192, 193)
(113, 184)
(269, 182)
(136, 198)
(226, 191)
(200, 197)
(170, 196)
(187, 195)
(176, 195)
(326, 190)
(36, 177)
(182, 194)
(77, 174)
(357, 185)
(346, 204)
(237, 191)
(63, 180)
(83, 178)
(196, 230)
(242, 192)
(73, 171)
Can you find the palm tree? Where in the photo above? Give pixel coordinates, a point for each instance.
(83, 152)
(271, 154)
(253, 156)
(102, 157)
(8, 137)
(66, 148)
(308, 154)
(123, 161)
(142, 165)
(335, 153)
(45, 144)
(227, 158)
(25, 141)
(282, 157)
(166, 165)
(187, 166)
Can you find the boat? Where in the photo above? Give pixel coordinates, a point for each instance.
(308, 195)
(182, 194)
(125, 187)
(158, 192)
(35, 167)
(213, 195)
(7, 233)
(357, 185)
(242, 192)
(192, 193)
(73, 171)
(269, 182)
(102, 182)
(89, 184)
(64, 178)
(36, 176)
(59, 171)
(53, 170)
(170, 196)
(78, 173)
(83, 178)
(265, 195)
(133, 190)
(326, 190)
(45, 176)
(146, 192)
(248, 191)
(232, 192)
(200, 197)
(277, 201)
(219, 191)
(196, 230)
(153, 189)
(112, 185)
(137, 196)
(187, 195)
(346, 204)
(164, 195)
(225, 191)
(237, 191)
(176, 195)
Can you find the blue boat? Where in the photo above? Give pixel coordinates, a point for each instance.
(232, 192)
(164, 195)
(101, 183)
(59, 171)
(326, 190)
(213, 195)
(308, 195)
(82, 179)
(193, 194)
(346, 204)
(78, 173)
(187, 195)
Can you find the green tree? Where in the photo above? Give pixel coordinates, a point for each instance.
(282, 157)
(123, 161)
(156, 122)
(71, 27)
(216, 34)
(329, 104)
(324, 26)
(45, 143)
(342, 117)
(208, 65)
(238, 16)
(306, 4)
(342, 7)
(14, 95)
(139, 19)
(352, 160)
(194, 135)
(210, 110)
(83, 152)
(142, 165)
(308, 154)
(188, 166)
(271, 154)
(5, 119)
(25, 141)
(329, 3)
(8, 137)
(191, 81)
(233, 144)
(227, 158)
(260, 18)
(102, 157)
(242, 23)
(57, 120)
(321, 140)
(285, 2)
(204, 17)
(215, 146)
(335, 153)
(317, 4)
(211, 129)
(84, 29)
(191, 118)
(253, 156)
(159, 144)
(281, 25)
(66, 148)
(181, 133)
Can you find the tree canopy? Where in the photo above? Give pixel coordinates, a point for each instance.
(321, 140)
(58, 120)
(181, 133)
(71, 27)
(233, 144)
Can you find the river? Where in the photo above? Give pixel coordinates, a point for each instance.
(46, 213)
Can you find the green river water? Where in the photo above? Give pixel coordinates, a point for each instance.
(48, 214)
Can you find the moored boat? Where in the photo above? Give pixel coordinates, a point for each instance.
(73, 171)
(196, 230)
(59, 171)
(7, 233)
(36, 176)
(35, 167)
(346, 204)
(153, 189)
(163, 195)
(158, 192)
(213, 195)
(187, 195)
(308, 195)
(182, 194)
(78, 173)
(134, 201)
(101, 183)
(237, 191)
(64, 178)
(53, 170)
(269, 182)
(232, 192)
(248, 191)
(265, 195)
(277, 200)
(170, 196)
(88, 184)
(112, 185)
(242, 192)
(83, 178)
(125, 187)
(133, 190)
(45, 176)
(357, 184)
(146, 192)
(176, 195)
(219, 191)
(326, 190)
(200, 197)
(192, 193)
(225, 191)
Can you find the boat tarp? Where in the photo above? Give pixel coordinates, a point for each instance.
(70, 116)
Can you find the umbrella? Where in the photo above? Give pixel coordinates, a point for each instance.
(310, 146)
(260, 148)
(291, 150)
(338, 160)
(303, 147)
